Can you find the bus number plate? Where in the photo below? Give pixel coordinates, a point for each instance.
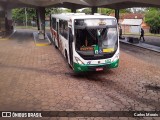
(99, 69)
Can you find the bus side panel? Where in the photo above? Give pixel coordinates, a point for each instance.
(64, 46)
(63, 43)
(53, 29)
(61, 39)
(54, 34)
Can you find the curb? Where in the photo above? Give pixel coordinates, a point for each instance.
(38, 44)
(8, 37)
(155, 50)
(41, 44)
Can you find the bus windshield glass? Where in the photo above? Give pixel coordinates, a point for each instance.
(96, 35)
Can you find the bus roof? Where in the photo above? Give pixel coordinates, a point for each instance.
(68, 16)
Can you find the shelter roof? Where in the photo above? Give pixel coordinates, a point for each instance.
(76, 4)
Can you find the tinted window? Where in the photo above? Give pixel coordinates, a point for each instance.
(63, 28)
(54, 23)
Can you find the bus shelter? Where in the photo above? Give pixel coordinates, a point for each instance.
(131, 25)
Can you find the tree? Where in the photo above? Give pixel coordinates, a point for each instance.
(55, 11)
(86, 10)
(19, 14)
(152, 18)
(105, 11)
(125, 11)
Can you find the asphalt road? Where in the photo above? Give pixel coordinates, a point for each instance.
(39, 79)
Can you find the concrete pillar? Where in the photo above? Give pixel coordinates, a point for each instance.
(6, 23)
(1, 8)
(9, 21)
(94, 10)
(9, 14)
(38, 24)
(41, 20)
(117, 14)
(2, 21)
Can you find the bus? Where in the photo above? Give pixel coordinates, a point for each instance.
(88, 42)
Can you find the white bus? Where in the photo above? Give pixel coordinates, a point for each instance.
(88, 42)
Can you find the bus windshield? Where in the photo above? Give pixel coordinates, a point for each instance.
(103, 38)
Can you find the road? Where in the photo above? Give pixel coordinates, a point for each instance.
(38, 78)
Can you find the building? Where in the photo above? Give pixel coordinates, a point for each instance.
(132, 23)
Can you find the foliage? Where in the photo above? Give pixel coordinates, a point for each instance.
(19, 14)
(104, 11)
(86, 10)
(107, 11)
(152, 18)
(56, 11)
(125, 11)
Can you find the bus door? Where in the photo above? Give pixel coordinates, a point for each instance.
(57, 33)
(70, 46)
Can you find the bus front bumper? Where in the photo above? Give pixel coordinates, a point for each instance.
(83, 68)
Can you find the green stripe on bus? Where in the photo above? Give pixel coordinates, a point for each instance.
(82, 68)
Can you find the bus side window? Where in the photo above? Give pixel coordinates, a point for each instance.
(65, 32)
(70, 35)
(63, 26)
(54, 23)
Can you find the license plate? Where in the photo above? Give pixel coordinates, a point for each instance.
(99, 69)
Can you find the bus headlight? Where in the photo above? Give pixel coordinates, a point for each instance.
(115, 58)
(78, 60)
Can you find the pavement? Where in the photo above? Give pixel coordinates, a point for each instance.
(147, 44)
(39, 79)
(44, 41)
(7, 35)
(151, 40)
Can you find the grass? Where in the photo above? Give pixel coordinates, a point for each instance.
(29, 27)
(25, 27)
